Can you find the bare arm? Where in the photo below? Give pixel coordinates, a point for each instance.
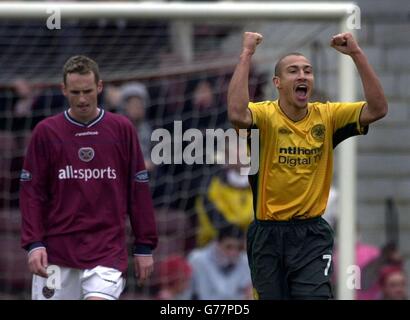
(238, 91)
(376, 106)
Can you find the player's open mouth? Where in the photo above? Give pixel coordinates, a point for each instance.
(301, 91)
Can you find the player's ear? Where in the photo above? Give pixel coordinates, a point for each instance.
(99, 86)
(276, 82)
(63, 89)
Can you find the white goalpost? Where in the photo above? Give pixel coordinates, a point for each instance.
(181, 11)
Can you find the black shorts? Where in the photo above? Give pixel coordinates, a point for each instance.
(291, 259)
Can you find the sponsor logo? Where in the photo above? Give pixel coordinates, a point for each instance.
(87, 133)
(284, 130)
(141, 176)
(25, 175)
(86, 154)
(86, 174)
(318, 132)
(47, 292)
(299, 156)
(300, 150)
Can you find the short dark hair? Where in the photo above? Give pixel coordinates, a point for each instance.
(278, 65)
(82, 65)
(230, 231)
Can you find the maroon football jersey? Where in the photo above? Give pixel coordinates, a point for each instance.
(79, 184)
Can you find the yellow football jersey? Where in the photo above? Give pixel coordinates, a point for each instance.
(296, 158)
(233, 204)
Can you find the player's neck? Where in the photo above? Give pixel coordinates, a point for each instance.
(293, 112)
(84, 118)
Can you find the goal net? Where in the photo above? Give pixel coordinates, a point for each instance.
(176, 64)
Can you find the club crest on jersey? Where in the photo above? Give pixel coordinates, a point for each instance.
(86, 154)
(141, 176)
(47, 292)
(318, 132)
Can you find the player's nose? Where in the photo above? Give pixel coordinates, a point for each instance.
(82, 97)
(301, 75)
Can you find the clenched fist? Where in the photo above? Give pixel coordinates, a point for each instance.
(250, 41)
(345, 43)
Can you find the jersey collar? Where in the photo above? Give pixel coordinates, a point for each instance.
(85, 125)
(285, 115)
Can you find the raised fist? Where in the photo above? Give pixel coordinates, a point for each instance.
(250, 41)
(345, 43)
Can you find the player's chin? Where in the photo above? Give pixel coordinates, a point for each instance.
(84, 108)
(301, 103)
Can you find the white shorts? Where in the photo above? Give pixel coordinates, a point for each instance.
(75, 284)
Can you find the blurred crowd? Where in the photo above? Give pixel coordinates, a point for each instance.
(382, 273)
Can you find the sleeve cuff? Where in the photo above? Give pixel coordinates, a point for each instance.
(142, 249)
(35, 245)
(363, 130)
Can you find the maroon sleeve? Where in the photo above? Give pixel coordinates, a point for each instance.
(33, 190)
(141, 209)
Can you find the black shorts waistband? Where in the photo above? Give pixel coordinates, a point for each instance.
(290, 222)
